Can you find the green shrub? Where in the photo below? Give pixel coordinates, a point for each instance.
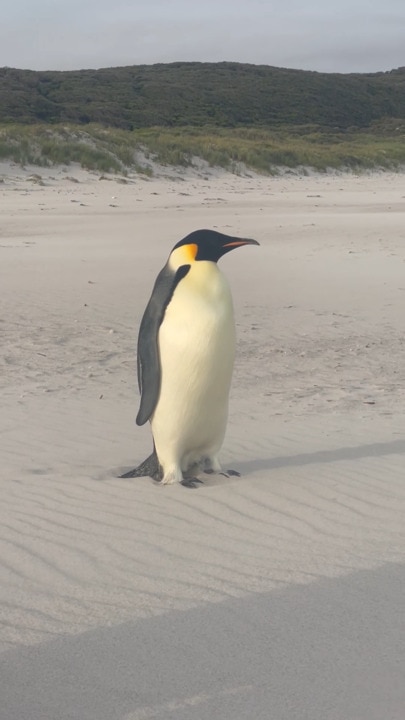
(263, 150)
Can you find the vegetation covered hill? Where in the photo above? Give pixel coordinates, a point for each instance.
(198, 94)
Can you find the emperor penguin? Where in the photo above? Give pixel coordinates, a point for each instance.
(185, 357)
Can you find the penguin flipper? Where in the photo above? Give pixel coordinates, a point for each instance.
(148, 359)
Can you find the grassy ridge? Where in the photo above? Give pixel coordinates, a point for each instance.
(199, 94)
(263, 150)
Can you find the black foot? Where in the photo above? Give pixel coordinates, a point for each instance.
(191, 482)
(230, 473)
(209, 471)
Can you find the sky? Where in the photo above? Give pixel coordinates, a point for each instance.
(323, 35)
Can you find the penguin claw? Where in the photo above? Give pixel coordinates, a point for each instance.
(191, 483)
(230, 473)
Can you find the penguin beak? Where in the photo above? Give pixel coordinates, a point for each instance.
(238, 243)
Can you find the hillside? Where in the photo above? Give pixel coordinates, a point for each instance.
(199, 94)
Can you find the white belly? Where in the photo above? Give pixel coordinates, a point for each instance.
(197, 349)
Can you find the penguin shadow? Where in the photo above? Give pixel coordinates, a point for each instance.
(378, 449)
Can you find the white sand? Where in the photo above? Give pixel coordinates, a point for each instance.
(278, 595)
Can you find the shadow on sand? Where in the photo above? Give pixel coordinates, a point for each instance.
(395, 447)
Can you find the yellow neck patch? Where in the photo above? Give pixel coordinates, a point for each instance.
(190, 252)
(183, 255)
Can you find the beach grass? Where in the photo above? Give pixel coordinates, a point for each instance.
(263, 150)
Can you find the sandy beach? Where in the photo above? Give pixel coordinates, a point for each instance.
(276, 595)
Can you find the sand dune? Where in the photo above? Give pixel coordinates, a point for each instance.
(278, 594)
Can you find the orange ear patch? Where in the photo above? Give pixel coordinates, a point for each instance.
(189, 252)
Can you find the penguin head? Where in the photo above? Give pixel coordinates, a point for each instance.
(205, 245)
